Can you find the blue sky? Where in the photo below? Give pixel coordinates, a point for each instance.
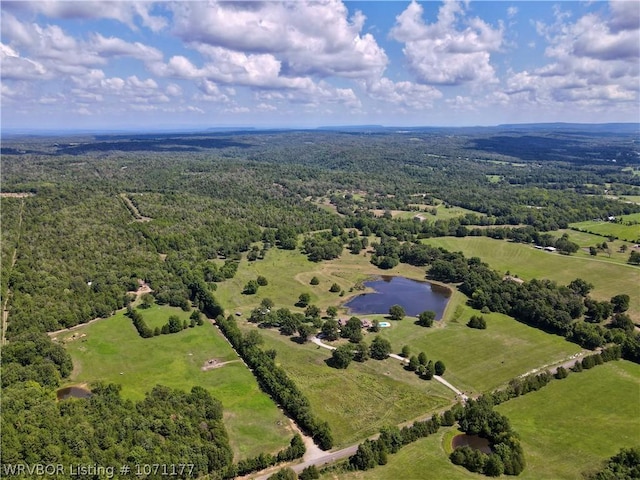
(195, 64)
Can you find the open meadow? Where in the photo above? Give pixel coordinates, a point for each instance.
(628, 230)
(609, 278)
(567, 429)
(358, 401)
(111, 350)
(481, 360)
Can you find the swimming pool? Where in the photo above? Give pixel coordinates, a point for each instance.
(384, 324)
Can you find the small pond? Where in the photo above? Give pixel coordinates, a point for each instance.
(414, 296)
(73, 392)
(473, 441)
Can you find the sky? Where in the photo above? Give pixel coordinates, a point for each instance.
(134, 65)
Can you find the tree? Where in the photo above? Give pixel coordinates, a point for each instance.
(303, 300)
(174, 324)
(284, 474)
(251, 288)
(429, 370)
(332, 312)
(413, 363)
(267, 303)
(580, 287)
(312, 311)
(305, 331)
(262, 281)
(422, 358)
(330, 330)
(314, 281)
(634, 258)
(147, 300)
(620, 303)
(352, 328)
(405, 351)
(396, 312)
(426, 318)
(594, 251)
(477, 321)
(439, 368)
(380, 348)
(361, 352)
(341, 357)
(335, 288)
(309, 473)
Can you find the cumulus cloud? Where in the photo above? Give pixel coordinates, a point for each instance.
(593, 60)
(403, 94)
(308, 38)
(454, 50)
(123, 11)
(14, 67)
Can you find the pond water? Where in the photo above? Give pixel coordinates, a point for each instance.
(414, 296)
(73, 392)
(473, 441)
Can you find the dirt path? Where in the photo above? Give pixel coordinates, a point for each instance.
(320, 343)
(5, 305)
(144, 288)
(133, 209)
(214, 363)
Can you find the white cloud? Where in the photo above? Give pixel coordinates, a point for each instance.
(116, 47)
(403, 94)
(594, 61)
(307, 38)
(122, 11)
(453, 50)
(14, 67)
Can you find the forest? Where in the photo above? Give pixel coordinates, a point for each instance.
(86, 219)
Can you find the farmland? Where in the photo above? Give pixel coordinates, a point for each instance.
(112, 351)
(609, 278)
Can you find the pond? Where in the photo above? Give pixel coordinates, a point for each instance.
(473, 441)
(72, 392)
(413, 295)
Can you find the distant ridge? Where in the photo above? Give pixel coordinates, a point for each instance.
(608, 127)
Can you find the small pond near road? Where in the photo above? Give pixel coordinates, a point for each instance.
(72, 392)
(413, 295)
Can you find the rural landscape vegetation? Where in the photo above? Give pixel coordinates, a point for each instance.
(181, 299)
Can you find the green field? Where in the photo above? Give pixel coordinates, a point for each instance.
(481, 360)
(571, 426)
(289, 273)
(623, 231)
(424, 459)
(609, 278)
(360, 400)
(111, 350)
(568, 428)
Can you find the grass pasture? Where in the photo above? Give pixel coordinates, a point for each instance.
(609, 278)
(623, 231)
(571, 426)
(358, 401)
(568, 428)
(112, 351)
(481, 360)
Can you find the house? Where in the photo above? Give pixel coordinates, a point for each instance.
(549, 249)
(366, 323)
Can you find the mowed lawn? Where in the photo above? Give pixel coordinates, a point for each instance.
(358, 401)
(111, 350)
(568, 428)
(526, 262)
